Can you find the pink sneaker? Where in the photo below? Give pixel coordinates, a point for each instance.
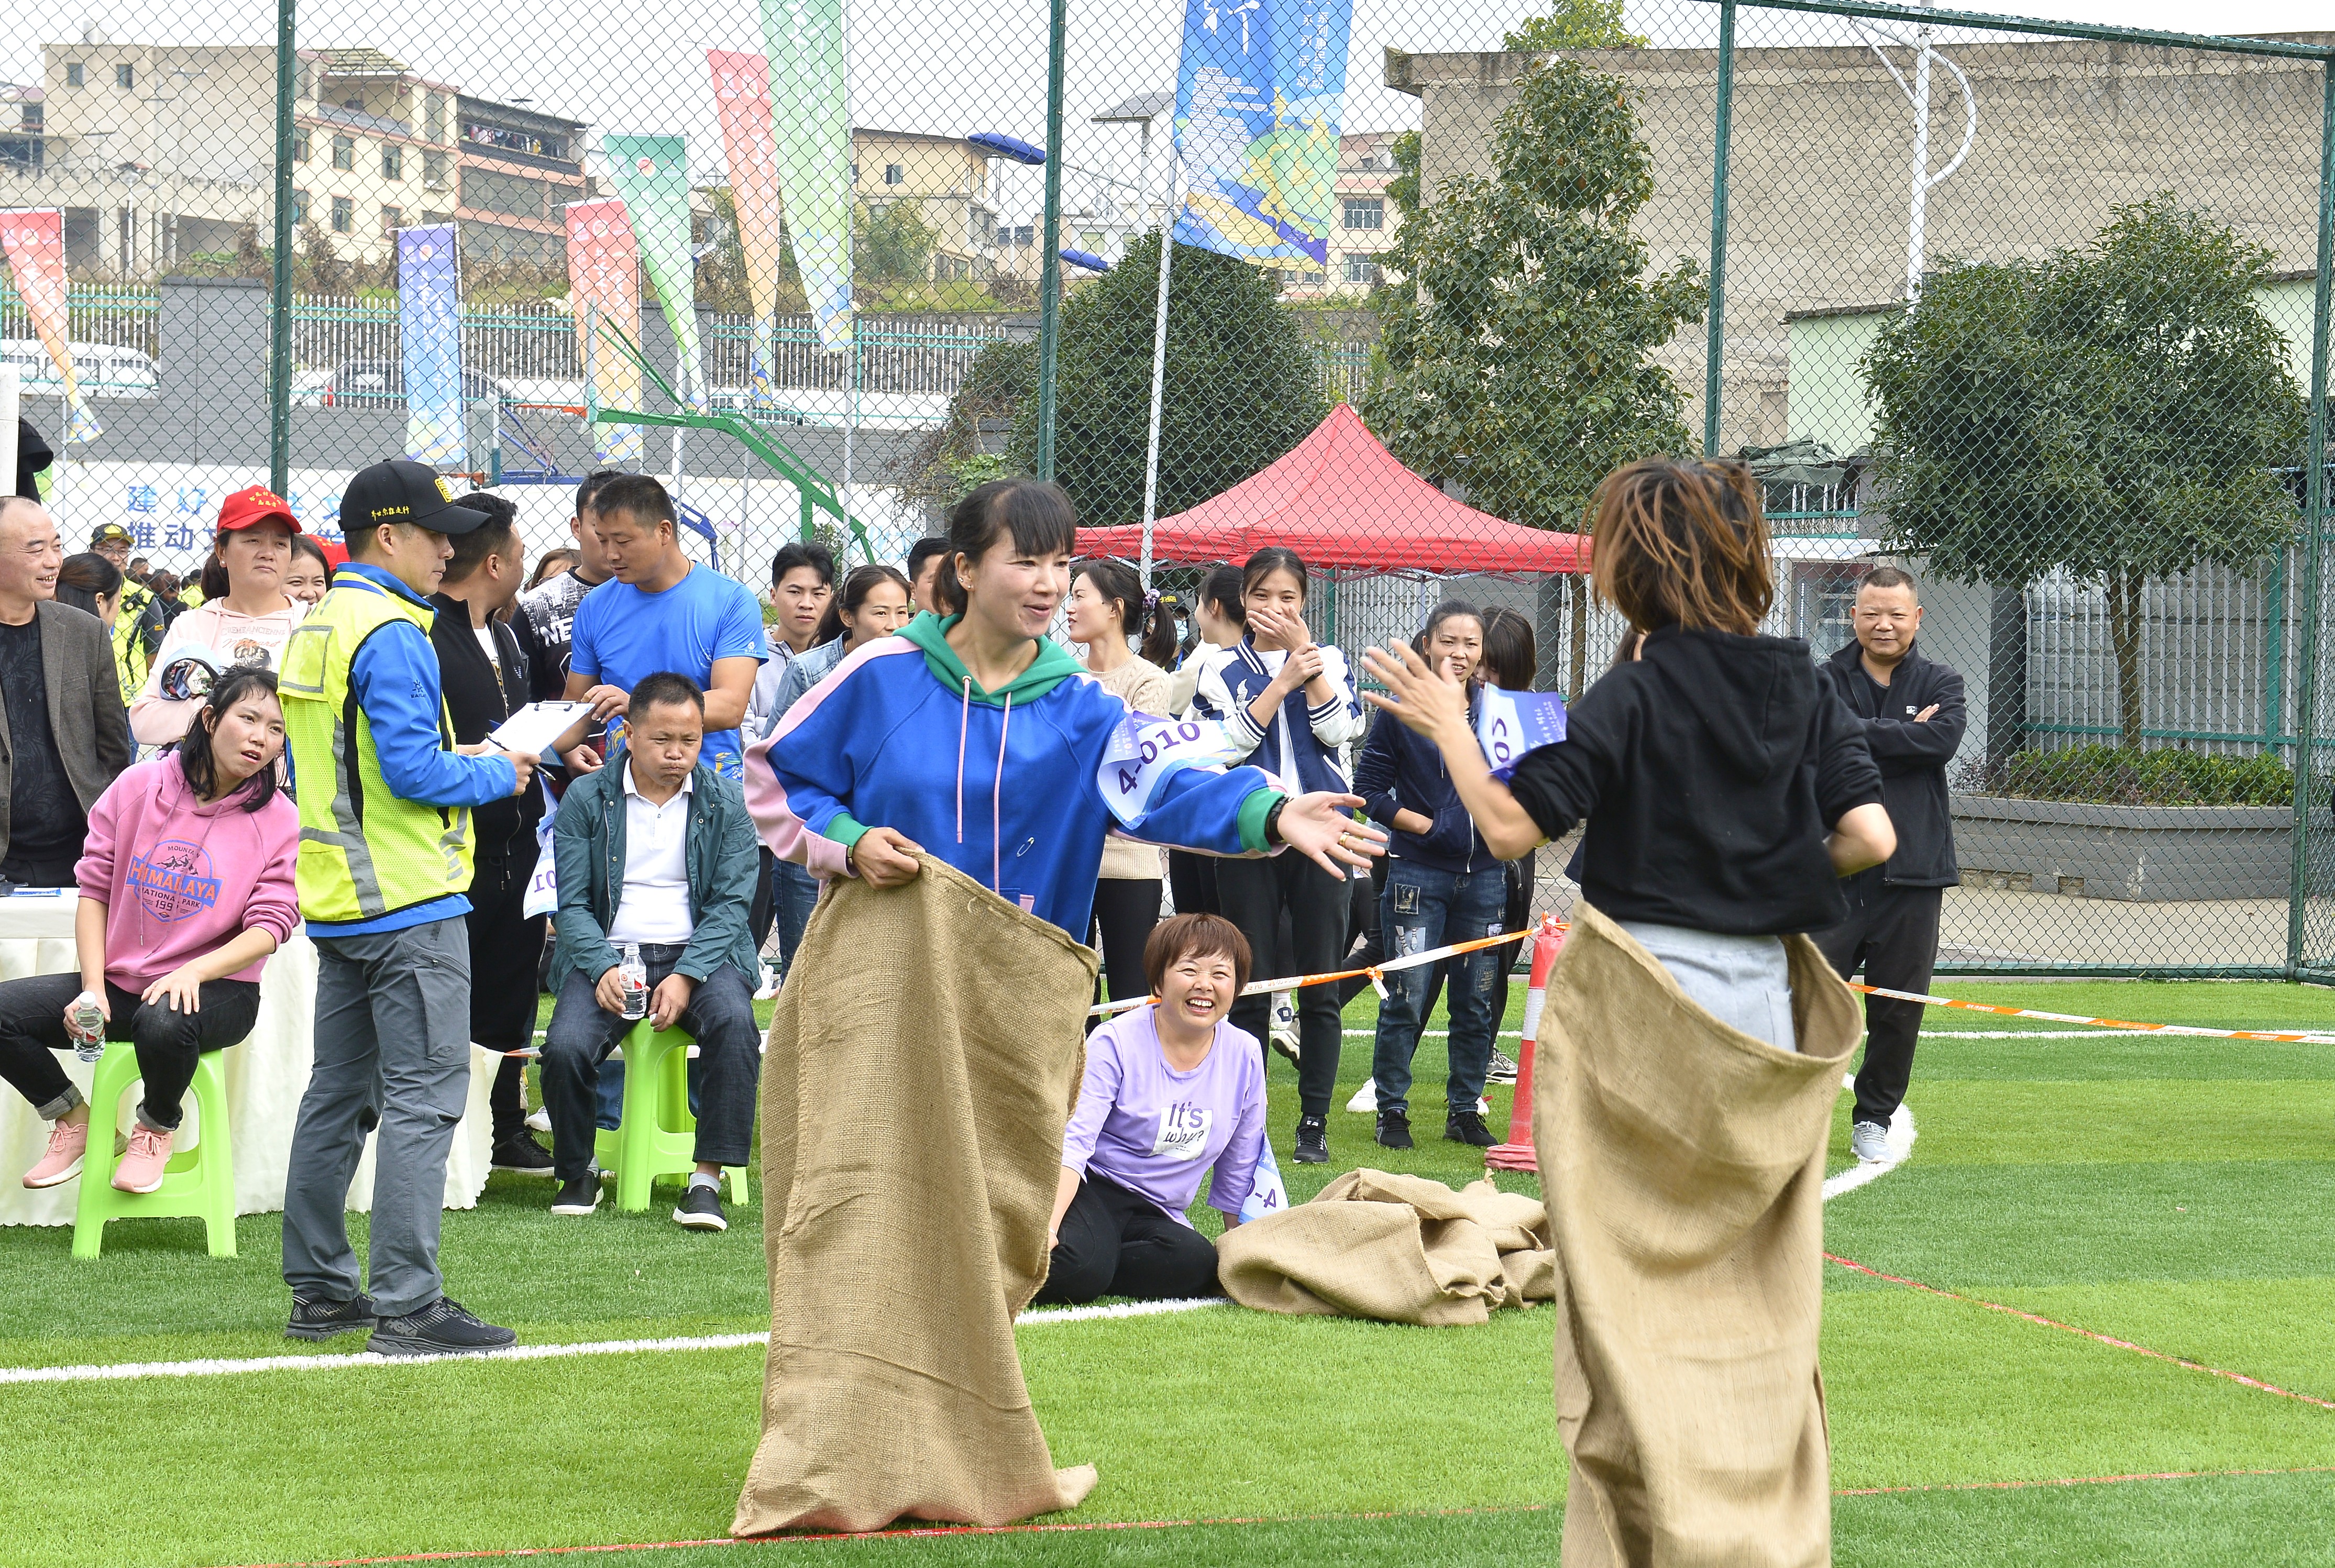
(67, 1146)
(141, 1170)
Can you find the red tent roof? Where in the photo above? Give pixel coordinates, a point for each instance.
(1340, 501)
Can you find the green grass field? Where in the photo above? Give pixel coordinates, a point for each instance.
(2176, 1193)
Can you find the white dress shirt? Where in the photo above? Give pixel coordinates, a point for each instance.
(653, 906)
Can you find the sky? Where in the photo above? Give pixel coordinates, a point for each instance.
(639, 65)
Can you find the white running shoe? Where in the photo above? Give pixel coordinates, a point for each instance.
(1366, 1098)
(1869, 1142)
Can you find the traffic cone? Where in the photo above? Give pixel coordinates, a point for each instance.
(1516, 1154)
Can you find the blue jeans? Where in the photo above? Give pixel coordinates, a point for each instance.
(1425, 909)
(793, 892)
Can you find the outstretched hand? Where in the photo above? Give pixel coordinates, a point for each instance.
(1317, 827)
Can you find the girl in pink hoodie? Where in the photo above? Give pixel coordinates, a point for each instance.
(186, 888)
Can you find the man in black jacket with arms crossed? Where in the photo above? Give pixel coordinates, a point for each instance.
(1912, 714)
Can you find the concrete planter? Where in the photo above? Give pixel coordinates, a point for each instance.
(2129, 852)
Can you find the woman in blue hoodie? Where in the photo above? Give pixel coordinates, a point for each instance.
(975, 739)
(1442, 884)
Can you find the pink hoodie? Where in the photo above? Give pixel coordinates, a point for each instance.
(230, 638)
(180, 878)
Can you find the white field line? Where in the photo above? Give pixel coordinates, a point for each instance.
(225, 1366)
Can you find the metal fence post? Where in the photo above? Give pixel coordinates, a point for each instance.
(2314, 512)
(1714, 354)
(1049, 265)
(279, 304)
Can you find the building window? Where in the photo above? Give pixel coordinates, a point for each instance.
(433, 170)
(433, 116)
(125, 76)
(1365, 212)
(855, 174)
(299, 207)
(393, 163)
(894, 174)
(300, 144)
(393, 218)
(73, 77)
(304, 80)
(1363, 269)
(1026, 236)
(34, 117)
(344, 215)
(1369, 160)
(344, 152)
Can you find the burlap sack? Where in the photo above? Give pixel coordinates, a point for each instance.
(923, 1060)
(1683, 1164)
(1401, 1249)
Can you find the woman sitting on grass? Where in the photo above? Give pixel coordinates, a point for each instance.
(1171, 1090)
(186, 888)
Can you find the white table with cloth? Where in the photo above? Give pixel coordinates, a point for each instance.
(266, 1077)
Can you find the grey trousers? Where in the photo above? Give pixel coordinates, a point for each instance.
(1744, 982)
(393, 1043)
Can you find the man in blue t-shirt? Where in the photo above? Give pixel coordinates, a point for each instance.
(661, 613)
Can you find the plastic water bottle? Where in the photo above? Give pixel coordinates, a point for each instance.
(87, 1027)
(636, 975)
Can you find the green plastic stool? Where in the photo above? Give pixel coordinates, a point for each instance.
(657, 1136)
(198, 1184)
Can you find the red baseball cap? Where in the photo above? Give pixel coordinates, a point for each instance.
(256, 504)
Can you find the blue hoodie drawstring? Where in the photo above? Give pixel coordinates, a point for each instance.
(963, 718)
(996, 828)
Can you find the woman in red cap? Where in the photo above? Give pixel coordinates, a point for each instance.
(246, 615)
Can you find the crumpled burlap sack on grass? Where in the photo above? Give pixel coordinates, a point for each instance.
(1684, 1165)
(922, 1062)
(1401, 1249)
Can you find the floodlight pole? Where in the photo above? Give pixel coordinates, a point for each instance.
(1158, 362)
(1916, 238)
(1049, 261)
(279, 306)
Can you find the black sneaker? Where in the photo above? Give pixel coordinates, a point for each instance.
(1503, 1069)
(321, 1320)
(1468, 1126)
(1394, 1129)
(580, 1196)
(522, 1153)
(440, 1329)
(1312, 1140)
(699, 1209)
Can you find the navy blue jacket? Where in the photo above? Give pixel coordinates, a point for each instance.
(1302, 748)
(1400, 769)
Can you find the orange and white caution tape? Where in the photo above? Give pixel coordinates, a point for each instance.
(1375, 973)
(2123, 1023)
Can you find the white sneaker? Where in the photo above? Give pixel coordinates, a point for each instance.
(770, 986)
(1869, 1142)
(1366, 1098)
(540, 1122)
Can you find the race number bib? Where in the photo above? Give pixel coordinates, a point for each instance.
(1145, 752)
(1510, 723)
(543, 887)
(1183, 1133)
(1268, 1196)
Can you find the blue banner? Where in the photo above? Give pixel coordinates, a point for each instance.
(1259, 99)
(430, 336)
(1510, 723)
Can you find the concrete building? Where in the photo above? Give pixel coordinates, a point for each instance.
(1362, 221)
(516, 169)
(947, 180)
(1821, 163)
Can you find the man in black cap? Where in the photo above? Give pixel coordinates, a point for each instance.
(385, 863)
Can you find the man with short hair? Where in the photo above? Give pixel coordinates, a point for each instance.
(1913, 716)
(131, 655)
(550, 607)
(654, 849)
(385, 856)
(663, 612)
(485, 677)
(802, 581)
(64, 734)
(139, 569)
(925, 558)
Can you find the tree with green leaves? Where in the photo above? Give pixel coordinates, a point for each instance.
(2118, 411)
(952, 460)
(1575, 25)
(892, 243)
(1241, 386)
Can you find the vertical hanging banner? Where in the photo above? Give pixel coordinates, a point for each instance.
(1259, 99)
(34, 241)
(813, 129)
(741, 96)
(651, 174)
(429, 344)
(604, 279)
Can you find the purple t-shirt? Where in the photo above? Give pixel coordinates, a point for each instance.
(1153, 1130)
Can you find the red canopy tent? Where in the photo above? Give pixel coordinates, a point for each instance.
(1342, 501)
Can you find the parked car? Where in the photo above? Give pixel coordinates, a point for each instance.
(381, 383)
(105, 371)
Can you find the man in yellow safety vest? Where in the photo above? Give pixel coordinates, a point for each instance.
(386, 799)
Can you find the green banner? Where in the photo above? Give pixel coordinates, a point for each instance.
(651, 173)
(812, 122)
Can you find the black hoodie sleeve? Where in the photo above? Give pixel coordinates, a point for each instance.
(1846, 775)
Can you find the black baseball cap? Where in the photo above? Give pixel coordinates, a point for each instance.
(403, 492)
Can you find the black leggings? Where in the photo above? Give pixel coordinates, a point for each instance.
(1118, 1242)
(168, 1042)
(1125, 911)
(1192, 878)
(1255, 893)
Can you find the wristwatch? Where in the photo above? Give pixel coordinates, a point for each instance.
(1273, 821)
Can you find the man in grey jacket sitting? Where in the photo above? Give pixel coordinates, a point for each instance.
(657, 850)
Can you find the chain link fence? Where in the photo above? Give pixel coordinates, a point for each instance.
(2038, 312)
